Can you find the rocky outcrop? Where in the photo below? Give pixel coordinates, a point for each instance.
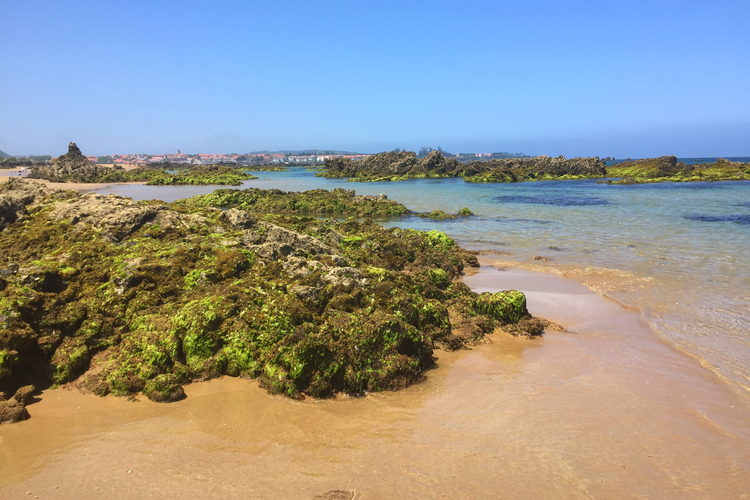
(71, 167)
(400, 165)
(115, 216)
(15, 196)
(668, 169)
(530, 169)
(124, 297)
(164, 388)
(14, 409)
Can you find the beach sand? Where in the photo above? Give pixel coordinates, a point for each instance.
(6, 175)
(605, 410)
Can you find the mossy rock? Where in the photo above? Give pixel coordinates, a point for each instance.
(505, 307)
(164, 388)
(158, 295)
(69, 360)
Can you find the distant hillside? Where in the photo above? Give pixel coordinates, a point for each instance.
(4, 154)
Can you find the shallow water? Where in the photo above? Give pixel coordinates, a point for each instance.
(678, 251)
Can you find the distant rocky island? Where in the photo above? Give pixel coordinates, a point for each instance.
(668, 169)
(403, 165)
(303, 291)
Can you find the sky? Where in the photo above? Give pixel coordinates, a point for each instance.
(578, 78)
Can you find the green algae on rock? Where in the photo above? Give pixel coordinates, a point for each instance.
(125, 297)
(199, 175)
(668, 169)
(403, 165)
(316, 202)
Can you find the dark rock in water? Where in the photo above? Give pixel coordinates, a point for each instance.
(561, 200)
(736, 218)
(164, 388)
(25, 394)
(12, 411)
(71, 167)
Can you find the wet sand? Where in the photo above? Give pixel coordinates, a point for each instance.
(605, 410)
(6, 175)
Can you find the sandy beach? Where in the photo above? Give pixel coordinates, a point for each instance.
(6, 175)
(604, 410)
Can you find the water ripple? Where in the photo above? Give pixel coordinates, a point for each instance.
(562, 200)
(736, 218)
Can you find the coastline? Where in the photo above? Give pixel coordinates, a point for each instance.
(599, 410)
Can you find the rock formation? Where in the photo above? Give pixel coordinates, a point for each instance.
(71, 167)
(122, 297)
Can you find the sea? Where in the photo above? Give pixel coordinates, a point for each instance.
(677, 252)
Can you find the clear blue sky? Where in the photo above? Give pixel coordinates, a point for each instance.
(624, 78)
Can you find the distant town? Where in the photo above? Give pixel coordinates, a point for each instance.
(304, 157)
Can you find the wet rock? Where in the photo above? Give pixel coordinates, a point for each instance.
(531, 327)
(12, 411)
(506, 307)
(164, 388)
(25, 394)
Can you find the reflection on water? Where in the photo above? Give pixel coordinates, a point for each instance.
(698, 272)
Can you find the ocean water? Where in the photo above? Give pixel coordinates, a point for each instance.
(678, 252)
